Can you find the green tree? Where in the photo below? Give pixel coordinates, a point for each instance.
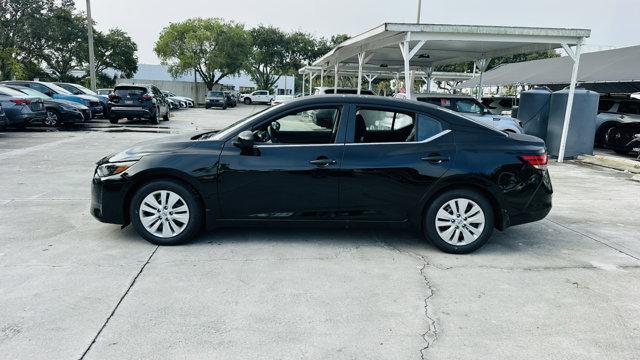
(213, 47)
(115, 50)
(270, 57)
(20, 33)
(62, 49)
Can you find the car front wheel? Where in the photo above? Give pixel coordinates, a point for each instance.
(459, 221)
(52, 119)
(247, 101)
(166, 213)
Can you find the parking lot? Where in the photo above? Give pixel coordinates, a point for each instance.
(74, 288)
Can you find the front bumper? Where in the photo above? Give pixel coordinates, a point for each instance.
(72, 117)
(108, 200)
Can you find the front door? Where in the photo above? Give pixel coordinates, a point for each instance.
(292, 172)
(391, 159)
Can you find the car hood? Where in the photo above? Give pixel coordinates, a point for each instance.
(158, 146)
(88, 97)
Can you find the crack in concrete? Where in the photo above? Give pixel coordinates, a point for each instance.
(95, 338)
(430, 336)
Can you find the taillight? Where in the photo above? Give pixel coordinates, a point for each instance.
(537, 161)
(147, 97)
(21, 101)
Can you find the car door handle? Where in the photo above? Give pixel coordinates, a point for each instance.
(437, 159)
(322, 162)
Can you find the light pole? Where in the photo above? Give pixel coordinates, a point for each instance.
(92, 60)
(419, 10)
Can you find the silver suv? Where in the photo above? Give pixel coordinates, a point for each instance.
(472, 108)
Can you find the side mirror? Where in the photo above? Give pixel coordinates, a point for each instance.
(245, 140)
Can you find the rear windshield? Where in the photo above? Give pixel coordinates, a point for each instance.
(130, 91)
(349, 91)
(215, 93)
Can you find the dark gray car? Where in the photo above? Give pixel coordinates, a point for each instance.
(20, 108)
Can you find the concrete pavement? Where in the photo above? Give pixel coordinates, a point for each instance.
(72, 288)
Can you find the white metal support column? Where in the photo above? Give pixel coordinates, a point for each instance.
(302, 84)
(311, 77)
(407, 54)
(322, 77)
(335, 78)
(482, 65)
(370, 79)
(429, 71)
(360, 65)
(575, 55)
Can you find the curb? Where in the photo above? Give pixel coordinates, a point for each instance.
(625, 165)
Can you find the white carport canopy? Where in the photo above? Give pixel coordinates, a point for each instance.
(423, 46)
(621, 66)
(372, 73)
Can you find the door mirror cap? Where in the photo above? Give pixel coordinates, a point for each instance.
(245, 140)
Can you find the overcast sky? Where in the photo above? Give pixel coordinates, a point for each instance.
(613, 22)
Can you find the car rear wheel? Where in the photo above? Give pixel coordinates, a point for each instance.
(459, 221)
(153, 118)
(113, 120)
(52, 119)
(166, 213)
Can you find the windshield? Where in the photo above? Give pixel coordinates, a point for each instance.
(85, 90)
(32, 92)
(57, 88)
(469, 106)
(10, 91)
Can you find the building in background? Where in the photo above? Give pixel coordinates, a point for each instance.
(185, 85)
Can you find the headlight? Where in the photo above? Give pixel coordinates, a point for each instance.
(111, 169)
(69, 108)
(87, 103)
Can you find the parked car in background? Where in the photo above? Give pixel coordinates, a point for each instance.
(442, 173)
(104, 92)
(215, 98)
(59, 112)
(472, 108)
(173, 104)
(259, 97)
(624, 138)
(4, 122)
(21, 109)
(58, 93)
(500, 105)
(188, 102)
(612, 111)
(81, 90)
(230, 99)
(339, 91)
(138, 102)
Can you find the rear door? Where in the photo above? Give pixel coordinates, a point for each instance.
(391, 159)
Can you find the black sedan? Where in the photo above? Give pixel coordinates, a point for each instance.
(624, 138)
(369, 160)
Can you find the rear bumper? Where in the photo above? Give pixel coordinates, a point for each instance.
(215, 103)
(121, 112)
(538, 207)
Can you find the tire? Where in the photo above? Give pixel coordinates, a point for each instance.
(180, 227)
(622, 151)
(113, 120)
(247, 101)
(601, 134)
(153, 118)
(167, 115)
(224, 107)
(457, 238)
(207, 107)
(53, 118)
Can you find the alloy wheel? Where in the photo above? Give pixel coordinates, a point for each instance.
(164, 214)
(51, 119)
(460, 221)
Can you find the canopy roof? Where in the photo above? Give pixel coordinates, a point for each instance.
(610, 66)
(380, 73)
(447, 44)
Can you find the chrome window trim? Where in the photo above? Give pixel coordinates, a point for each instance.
(434, 137)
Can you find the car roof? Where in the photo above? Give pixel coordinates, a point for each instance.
(444, 96)
(133, 85)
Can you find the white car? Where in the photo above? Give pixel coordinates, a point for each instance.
(188, 102)
(259, 96)
(471, 108)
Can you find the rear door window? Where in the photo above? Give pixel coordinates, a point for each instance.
(383, 126)
(630, 107)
